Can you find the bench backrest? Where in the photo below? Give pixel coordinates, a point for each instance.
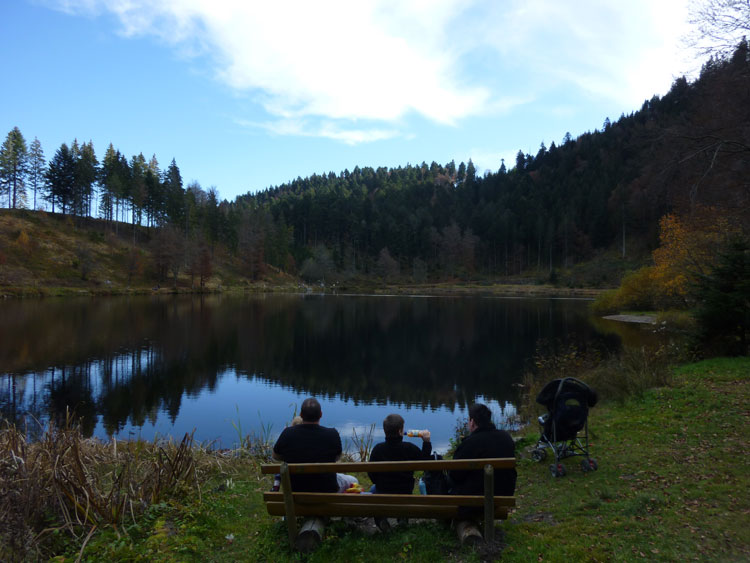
(387, 466)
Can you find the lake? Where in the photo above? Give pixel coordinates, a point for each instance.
(166, 365)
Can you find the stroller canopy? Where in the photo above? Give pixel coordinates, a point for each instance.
(568, 386)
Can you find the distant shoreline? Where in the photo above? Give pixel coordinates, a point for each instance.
(477, 289)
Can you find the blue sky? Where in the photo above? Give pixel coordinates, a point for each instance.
(247, 95)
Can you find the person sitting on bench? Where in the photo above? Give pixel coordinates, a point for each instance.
(309, 442)
(484, 441)
(395, 449)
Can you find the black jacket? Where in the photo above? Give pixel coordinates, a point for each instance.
(310, 443)
(483, 443)
(395, 449)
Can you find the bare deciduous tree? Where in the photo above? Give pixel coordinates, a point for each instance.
(719, 25)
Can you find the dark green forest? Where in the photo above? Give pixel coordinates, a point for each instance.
(601, 193)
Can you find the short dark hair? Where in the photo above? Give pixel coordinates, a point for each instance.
(310, 410)
(481, 415)
(392, 424)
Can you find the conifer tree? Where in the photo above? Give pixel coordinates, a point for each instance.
(108, 182)
(13, 168)
(174, 194)
(86, 174)
(60, 178)
(36, 167)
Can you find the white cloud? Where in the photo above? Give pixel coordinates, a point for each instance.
(623, 51)
(303, 127)
(338, 59)
(320, 68)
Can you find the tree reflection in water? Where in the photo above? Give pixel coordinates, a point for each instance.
(129, 361)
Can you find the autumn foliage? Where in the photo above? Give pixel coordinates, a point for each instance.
(688, 249)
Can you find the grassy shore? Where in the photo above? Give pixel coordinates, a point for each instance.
(672, 485)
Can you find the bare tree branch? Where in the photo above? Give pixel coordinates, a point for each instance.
(720, 25)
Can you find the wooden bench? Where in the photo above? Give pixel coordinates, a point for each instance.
(292, 504)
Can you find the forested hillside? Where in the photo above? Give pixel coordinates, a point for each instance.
(599, 195)
(603, 190)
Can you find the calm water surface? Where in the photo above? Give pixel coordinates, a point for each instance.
(142, 366)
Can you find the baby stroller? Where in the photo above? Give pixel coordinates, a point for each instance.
(568, 401)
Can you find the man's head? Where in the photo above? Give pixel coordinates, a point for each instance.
(480, 415)
(310, 410)
(393, 425)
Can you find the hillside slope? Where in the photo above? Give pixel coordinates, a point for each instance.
(49, 254)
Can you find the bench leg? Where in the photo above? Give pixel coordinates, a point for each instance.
(291, 517)
(310, 535)
(489, 505)
(468, 533)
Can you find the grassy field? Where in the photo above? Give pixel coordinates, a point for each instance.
(672, 485)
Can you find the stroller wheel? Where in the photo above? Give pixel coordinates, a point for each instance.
(585, 466)
(592, 464)
(539, 454)
(557, 470)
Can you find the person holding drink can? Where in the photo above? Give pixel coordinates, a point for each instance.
(395, 449)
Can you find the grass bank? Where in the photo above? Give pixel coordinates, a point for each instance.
(672, 485)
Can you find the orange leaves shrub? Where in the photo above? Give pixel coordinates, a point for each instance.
(688, 249)
(639, 290)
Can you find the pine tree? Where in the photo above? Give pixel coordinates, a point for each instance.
(108, 182)
(36, 167)
(60, 177)
(155, 201)
(86, 174)
(174, 194)
(723, 309)
(13, 168)
(137, 187)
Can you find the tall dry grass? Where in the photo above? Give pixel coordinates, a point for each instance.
(615, 377)
(65, 482)
(363, 442)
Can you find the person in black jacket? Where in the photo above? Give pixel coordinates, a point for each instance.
(485, 441)
(309, 442)
(395, 449)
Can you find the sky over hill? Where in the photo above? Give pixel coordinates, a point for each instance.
(246, 95)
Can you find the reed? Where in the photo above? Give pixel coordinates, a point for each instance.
(363, 442)
(255, 444)
(66, 482)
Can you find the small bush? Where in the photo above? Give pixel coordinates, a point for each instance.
(637, 290)
(607, 303)
(96, 237)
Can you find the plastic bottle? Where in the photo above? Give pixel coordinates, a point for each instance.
(276, 482)
(414, 433)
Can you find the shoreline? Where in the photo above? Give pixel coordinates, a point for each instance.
(477, 289)
(638, 319)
